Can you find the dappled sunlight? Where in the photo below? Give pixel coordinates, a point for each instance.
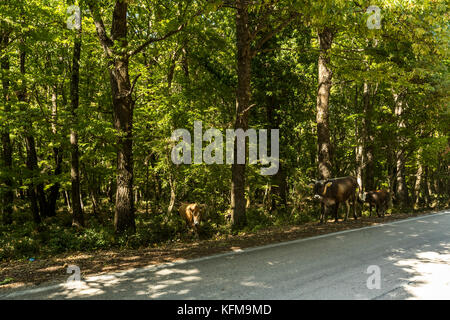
(156, 283)
(78, 289)
(429, 275)
(413, 258)
(165, 272)
(175, 285)
(253, 282)
(140, 280)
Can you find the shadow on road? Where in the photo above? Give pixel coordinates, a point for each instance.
(414, 259)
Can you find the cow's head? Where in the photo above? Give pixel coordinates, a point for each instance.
(369, 196)
(198, 212)
(320, 188)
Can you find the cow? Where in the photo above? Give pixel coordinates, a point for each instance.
(334, 191)
(192, 213)
(379, 199)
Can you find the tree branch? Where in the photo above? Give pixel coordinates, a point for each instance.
(151, 40)
(274, 31)
(105, 41)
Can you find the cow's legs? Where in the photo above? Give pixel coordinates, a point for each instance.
(322, 212)
(336, 207)
(378, 209)
(347, 203)
(370, 209)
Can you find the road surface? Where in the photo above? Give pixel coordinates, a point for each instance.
(408, 259)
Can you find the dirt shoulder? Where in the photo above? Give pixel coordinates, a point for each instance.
(26, 273)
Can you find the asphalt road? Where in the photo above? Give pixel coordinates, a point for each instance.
(411, 258)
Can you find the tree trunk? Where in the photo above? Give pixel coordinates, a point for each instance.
(36, 191)
(77, 211)
(401, 186)
(67, 200)
(146, 193)
(8, 194)
(123, 122)
(359, 154)
(171, 71)
(418, 182)
(184, 60)
(427, 190)
(173, 195)
(57, 153)
(368, 139)
(116, 48)
(243, 93)
(278, 183)
(323, 95)
(157, 182)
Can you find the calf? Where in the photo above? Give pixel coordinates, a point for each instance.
(379, 199)
(192, 213)
(333, 192)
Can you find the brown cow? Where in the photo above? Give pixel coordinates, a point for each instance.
(333, 192)
(192, 213)
(379, 199)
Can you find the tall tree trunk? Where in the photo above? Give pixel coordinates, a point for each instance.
(243, 93)
(401, 186)
(77, 212)
(173, 195)
(359, 152)
(368, 138)
(427, 188)
(8, 194)
(418, 182)
(57, 154)
(35, 191)
(123, 123)
(117, 50)
(323, 95)
(185, 61)
(67, 200)
(146, 193)
(156, 180)
(278, 183)
(172, 66)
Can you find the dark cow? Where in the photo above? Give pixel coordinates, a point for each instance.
(379, 199)
(333, 192)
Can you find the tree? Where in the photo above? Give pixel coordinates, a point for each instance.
(8, 195)
(325, 37)
(118, 53)
(250, 38)
(77, 218)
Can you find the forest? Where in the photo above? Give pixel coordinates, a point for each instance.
(93, 90)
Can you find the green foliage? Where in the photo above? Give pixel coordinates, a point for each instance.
(192, 76)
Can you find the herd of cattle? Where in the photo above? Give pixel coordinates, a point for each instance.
(336, 191)
(331, 193)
